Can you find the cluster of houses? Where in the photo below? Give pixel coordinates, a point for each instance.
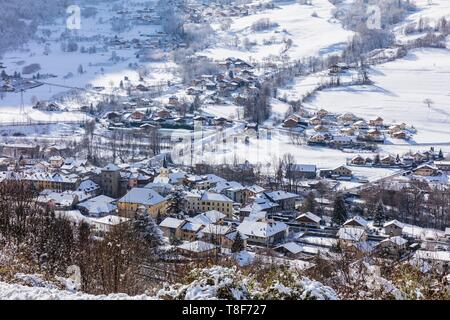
(345, 130)
(212, 11)
(16, 83)
(235, 80)
(154, 118)
(419, 161)
(206, 215)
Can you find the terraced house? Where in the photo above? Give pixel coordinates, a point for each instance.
(207, 201)
(52, 181)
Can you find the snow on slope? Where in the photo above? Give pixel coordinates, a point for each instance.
(398, 93)
(430, 12)
(19, 292)
(98, 69)
(311, 35)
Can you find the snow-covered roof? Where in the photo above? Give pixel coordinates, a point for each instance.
(280, 195)
(111, 167)
(173, 178)
(142, 196)
(212, 178)
(214, 215)
(393, 222)
(256, 189)
(66, 198)
(171, 223)
(88, 186)
(350, 233)
(304, 167)
(396, 240)
(110, 220)
(215, 229)
(99, 205)
(232, 235)
(261, 204)
(291, 247)
(225, 185)
(159, 186)
(192, 226)
(311, 216)
(197, 246)
(56, 158)
(208, 217)
(261, 229)
(212, 196)
(358, 220)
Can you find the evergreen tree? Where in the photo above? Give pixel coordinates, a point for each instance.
(380, 215)
(197, 103)
(376, 160)
(238, 244)
(310, 203)
(147, 229)
(175, 202)
(340, 211)
(441, 154)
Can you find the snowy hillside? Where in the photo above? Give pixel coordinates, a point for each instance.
(312, 29)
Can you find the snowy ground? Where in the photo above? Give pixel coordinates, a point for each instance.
(268, 151)
(99, 70)
(19, 292)
(397, 95)
(429, 11)
(311, 36)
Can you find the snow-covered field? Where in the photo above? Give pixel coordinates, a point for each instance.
(429, 11)
(397, 95)
(311, 36)
(268, 152)
(98, 68)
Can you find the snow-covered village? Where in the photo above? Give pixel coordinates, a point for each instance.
(225, 149)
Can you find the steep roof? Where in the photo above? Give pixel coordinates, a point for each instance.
(309, 215)
(358, 220)
(393, 222)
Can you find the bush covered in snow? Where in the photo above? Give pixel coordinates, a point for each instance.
(288, 285)
(231, 284)
(209, 284)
